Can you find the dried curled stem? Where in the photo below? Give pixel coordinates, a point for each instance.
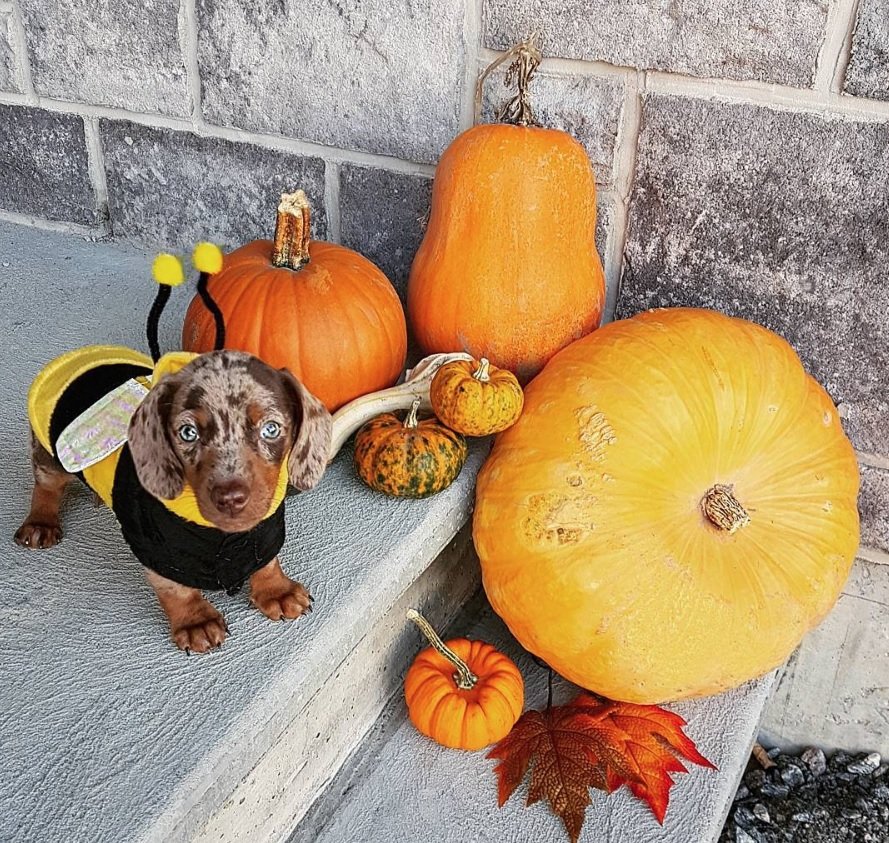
(525, 61)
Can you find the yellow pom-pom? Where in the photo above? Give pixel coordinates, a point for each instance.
(167, 270)
(207, 257)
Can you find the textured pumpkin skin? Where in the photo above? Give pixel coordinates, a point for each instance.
(469, 719)
(408, 462)
(474, 407)
(336, 324)
(508, 267)
(588, 521)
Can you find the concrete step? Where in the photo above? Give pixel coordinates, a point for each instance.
(401, 786)
(108, 732)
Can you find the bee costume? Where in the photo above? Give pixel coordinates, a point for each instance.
(79, 407)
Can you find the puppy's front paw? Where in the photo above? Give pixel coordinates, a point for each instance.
(282, 600)
(200, 630)
(38, 535)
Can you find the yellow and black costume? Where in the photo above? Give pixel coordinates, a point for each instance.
(171, 537)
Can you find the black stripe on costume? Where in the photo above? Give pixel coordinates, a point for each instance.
(88, 388)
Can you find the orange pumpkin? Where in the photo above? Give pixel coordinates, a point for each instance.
(672, 512)
(508, 267)
(319, 309)
(462, 694)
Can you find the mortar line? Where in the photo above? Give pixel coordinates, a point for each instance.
(332, 200)
(21, 48)
(779, 97)
(837, 27)
(624, 168)
(192, 67)
(872, 460)
(96, 165)
(873, 555)
(845, 54)
(267, 141)
(88, 232)
(570, 67)
(472, 33)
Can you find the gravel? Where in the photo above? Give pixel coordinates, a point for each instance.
(809, 798)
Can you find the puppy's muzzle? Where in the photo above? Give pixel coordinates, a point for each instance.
(230, 498)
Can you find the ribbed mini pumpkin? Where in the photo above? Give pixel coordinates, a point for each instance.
(411, 458)
(476, 398)
(673, 511)
(463, 694)
(321, 310)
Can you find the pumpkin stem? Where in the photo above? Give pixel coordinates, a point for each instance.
(723, 509)
(411, 418)
(483, 372)
(291, 247)
(525, 60)
(464, 677)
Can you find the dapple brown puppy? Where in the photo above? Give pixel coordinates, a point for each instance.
(198, 489)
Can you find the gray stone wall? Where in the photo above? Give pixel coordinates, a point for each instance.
(741, 147)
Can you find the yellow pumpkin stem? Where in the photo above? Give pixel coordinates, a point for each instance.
(410, 419)
(525, 61)
(483, 372)
(292, 228)
(464, 678)
(723, 509)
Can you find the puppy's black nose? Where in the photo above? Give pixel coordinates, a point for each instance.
(230, 497)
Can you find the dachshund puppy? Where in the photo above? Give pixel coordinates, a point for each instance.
(199, 486)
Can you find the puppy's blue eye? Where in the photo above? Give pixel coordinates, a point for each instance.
(270, 430)
(188, 433)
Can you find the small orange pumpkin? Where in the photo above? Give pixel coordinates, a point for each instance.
(462, 694)
(476, 398)
(324, 312)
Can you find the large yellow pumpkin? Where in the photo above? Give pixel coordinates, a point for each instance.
(673, 511)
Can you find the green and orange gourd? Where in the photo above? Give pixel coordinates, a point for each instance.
(410, 458)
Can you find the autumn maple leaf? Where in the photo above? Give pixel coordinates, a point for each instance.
(593, 743)
(654, 741)
(563, 746)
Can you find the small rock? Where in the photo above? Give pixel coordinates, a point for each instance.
(851, 814)
(839, 760)
(865, 765)
(761, 813)
(792, 776)
(742, 836)
(864, 806)
(744, 816)
(774, 752)
(884, 813)
(742, 793)
(881, 771)
(815, 760)
(755, 779)
(802, 817)
(775, 791)
(881, 793)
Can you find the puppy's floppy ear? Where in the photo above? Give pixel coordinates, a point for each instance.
(312, 431)
(158, 467)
